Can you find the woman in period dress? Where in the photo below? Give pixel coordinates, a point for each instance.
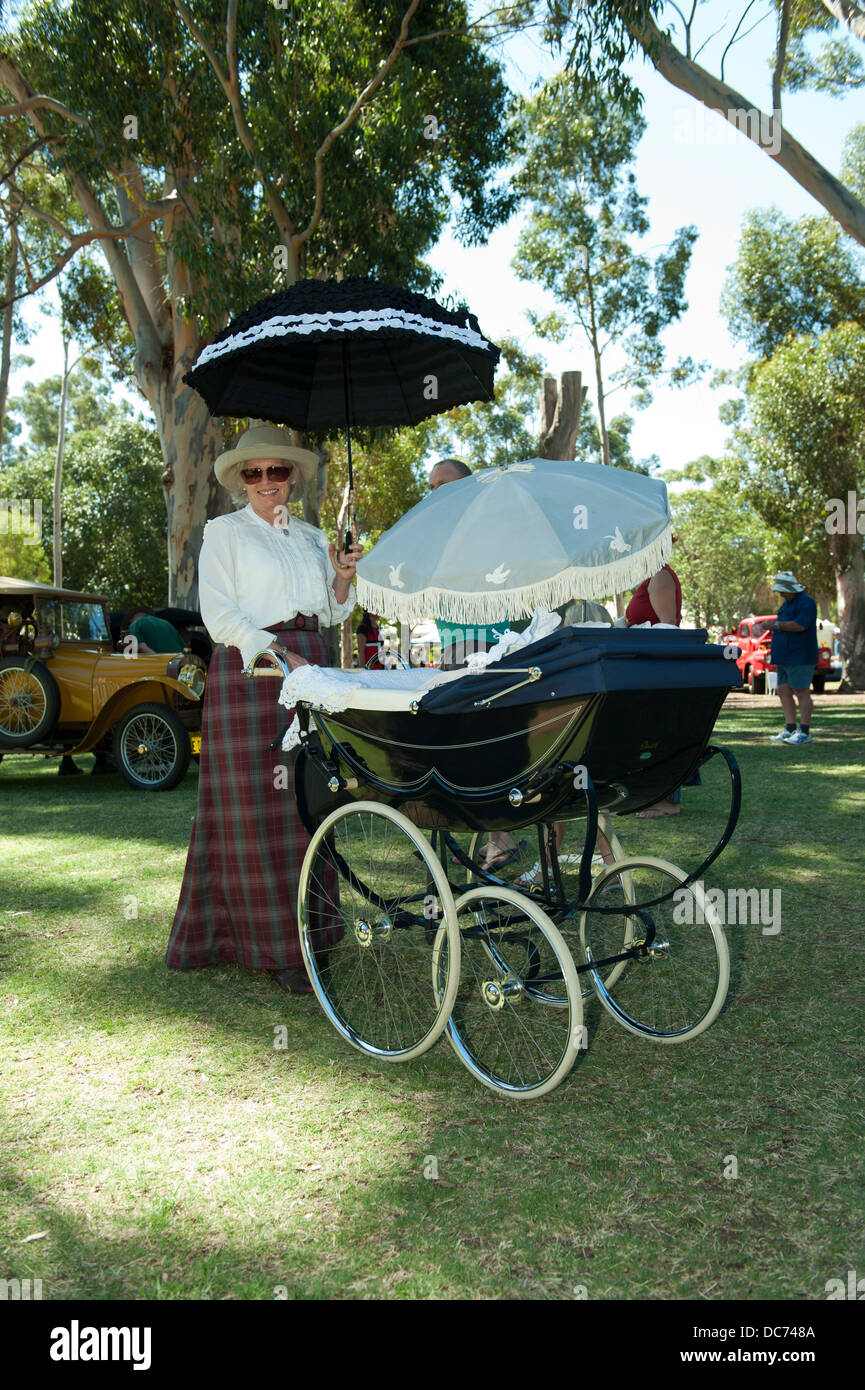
(266, 579)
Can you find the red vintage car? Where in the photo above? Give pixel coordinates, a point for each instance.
(753, 637)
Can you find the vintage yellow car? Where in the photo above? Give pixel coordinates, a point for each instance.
(65, 690)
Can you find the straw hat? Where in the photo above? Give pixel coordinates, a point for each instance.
(787, 583)
(262, 442)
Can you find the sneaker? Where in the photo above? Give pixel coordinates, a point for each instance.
(799, 737)
(784, 737)
(532, 878)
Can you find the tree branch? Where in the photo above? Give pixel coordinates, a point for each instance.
(848, 14)
(716, 95)
(141, 246)
(780, 56)
(685, 27)
(76, 242)
(749, 6)
(230, 84)
(7, 175)
(148, 347)
(34, 103)
(368, 91)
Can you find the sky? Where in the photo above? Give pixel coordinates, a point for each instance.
(695, 169)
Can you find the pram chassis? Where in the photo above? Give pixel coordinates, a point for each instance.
(495, 966)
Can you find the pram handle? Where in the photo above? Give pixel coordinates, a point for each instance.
(277, 654)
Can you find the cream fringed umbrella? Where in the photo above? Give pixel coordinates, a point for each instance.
(499, 544)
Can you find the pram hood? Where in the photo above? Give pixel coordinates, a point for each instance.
(575, 661)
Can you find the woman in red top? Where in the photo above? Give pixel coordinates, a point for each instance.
(368, 642)
(658, 600)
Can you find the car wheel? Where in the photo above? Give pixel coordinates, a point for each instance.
(818, 684)
(746, 680)
(29, 702)
(758, 683)
(151, 748)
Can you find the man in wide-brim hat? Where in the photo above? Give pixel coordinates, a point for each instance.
(266, 579)
(794, 652)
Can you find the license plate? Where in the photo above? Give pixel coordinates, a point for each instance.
(195, 743)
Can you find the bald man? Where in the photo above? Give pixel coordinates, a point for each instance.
(447, 471)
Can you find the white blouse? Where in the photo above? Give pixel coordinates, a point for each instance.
(252, 574)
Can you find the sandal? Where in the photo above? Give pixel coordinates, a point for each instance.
(498, 859)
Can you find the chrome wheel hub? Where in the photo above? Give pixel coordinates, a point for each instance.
(495, 993)
(367, 933)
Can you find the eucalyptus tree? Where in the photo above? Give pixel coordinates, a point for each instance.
(488, 433)
(584, 214)
(791, 276)
(114, 523)
(801, 454)
(810, 45)
(214, 152)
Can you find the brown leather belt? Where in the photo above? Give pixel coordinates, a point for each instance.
(298, 623)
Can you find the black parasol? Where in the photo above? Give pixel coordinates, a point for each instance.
(328, 353)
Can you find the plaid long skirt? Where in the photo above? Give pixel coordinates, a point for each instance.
(238, 901)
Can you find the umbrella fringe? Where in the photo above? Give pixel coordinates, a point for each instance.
(577, 582)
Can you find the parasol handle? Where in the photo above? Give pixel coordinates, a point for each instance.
(346, 386)
(351, 531)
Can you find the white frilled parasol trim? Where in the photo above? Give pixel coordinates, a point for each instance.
(496, 604)
(342, 321)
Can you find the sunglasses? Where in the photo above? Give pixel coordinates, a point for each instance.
(276, 473)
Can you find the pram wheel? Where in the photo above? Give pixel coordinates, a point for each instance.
(675, 983)
(517, 1019)
(373, 898)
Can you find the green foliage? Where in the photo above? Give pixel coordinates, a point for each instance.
(791, 276)
(584, 212)
(114, 526)
(720, 554)
(389, 479)
(490, 433)
(90, 404)
(92, 314)
(853, 161)
(804, 442)
(22, 556)
(301, 69)
(588, 446)
(596, 39)
(835, 67)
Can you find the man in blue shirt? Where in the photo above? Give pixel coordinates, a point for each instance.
(794, 652)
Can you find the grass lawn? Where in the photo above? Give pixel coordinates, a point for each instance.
(161, 1147)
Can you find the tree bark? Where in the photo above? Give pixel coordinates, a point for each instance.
(848, 14)
(8, 312)
(716, 95)
(850, 581)
(561, 407)
(57, 519)
(190, 440)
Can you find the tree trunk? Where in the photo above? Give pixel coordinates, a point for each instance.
(191, 439)
(8, 313)
(346, 652)
(561, 407)
(850, 580)
(599, 376)
(57, 522)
